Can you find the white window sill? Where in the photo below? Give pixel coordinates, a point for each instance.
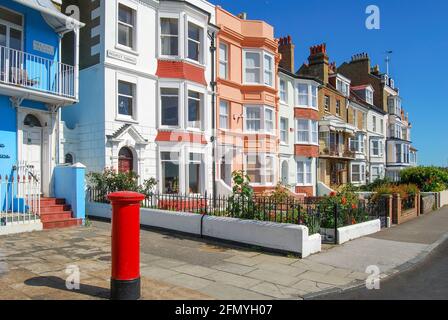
(126, 49)
(126, 119)
(307, 144)
(169, 128)
(304, 185)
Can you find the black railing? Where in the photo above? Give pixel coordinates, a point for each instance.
(320, 215)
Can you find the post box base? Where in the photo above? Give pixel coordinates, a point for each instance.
(125, 289)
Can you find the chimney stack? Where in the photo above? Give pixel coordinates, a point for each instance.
(286, 49)
(318, 62)
(362, 62)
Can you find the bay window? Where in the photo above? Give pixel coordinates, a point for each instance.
(169, 106)
(223, 60)
(258, 68)
(252, 67)
(194, 42)
(259, 119)
(169, 34)
(126, 26)
(253, 168)
(357, 143)
(260, 168)
(308, 96)
(358, 173)
(307, 131)
(304, 172)
(170, 172)
(377, 148)
(303, 94)
(253, 119)
(223, 114)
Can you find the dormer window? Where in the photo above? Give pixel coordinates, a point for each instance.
(369, 96)
(343, 87)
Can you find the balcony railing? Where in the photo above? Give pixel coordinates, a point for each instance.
(337, 152)
(25, 70)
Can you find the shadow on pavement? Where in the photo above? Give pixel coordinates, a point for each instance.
(58, 283)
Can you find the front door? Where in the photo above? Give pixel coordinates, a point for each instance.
(32, 149)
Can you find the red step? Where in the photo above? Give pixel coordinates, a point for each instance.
(65, 223)
(55, 214)
(51, 201)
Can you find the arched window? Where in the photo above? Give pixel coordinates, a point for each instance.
(125, 160)
(69, 158)
(32, 121)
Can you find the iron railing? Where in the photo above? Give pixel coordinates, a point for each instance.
(320, 215)
(25, 70)
(19, 198)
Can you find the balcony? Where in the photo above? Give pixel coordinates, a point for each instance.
(36, 78)
(336, 151)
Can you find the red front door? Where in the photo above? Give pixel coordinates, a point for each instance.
(125, 161)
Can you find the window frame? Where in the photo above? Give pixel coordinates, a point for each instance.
(179, 94)
(201, 110)
(262, 169)
(201, 178)
(312, 132)
(283, 90)
(134, 41)
(224, 62)
(227, 115)
(304, 172)
(285, 130)
(261, 69)
(199, 42)
(178, 35)
(361, 173)
(178, 162)
(262, 109)
(133, 83)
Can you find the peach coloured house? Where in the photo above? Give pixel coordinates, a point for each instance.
(247, 101)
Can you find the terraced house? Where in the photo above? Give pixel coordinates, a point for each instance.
(336, 124)
(298, 125)
(247, 99)
(146, 95)
(35, 85)
(398, 149)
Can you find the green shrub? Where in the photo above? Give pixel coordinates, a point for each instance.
(110, 181)
(427, 179)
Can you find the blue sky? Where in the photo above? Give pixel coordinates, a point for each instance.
(416, 31)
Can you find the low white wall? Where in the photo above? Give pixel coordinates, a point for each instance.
(178, 221)
(443, 196)
(285, 237)
(359, 230)
(21, 228)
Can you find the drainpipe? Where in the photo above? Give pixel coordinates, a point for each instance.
(212, 36)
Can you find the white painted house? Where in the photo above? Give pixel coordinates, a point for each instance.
(145, 96)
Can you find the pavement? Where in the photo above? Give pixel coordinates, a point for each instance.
(426, 281)
(35, 265)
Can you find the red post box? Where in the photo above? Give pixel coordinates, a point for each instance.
(125, 280)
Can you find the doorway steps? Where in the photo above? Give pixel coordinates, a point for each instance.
(56, 214)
